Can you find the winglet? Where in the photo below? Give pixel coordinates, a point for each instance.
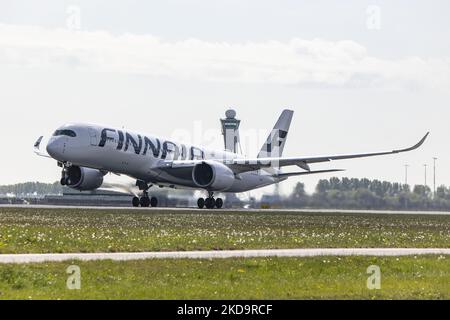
(417, 145)
(39, 147)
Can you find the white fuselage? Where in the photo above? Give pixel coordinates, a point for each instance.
(143, 157)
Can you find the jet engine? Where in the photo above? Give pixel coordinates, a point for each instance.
(213, 176)
(81, 178)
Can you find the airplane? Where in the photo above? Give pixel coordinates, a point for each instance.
(87, 152)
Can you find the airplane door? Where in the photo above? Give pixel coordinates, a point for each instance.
(93, 137)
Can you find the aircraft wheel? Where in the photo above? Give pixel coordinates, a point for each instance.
(210, 203)
(135, 202)
(145, 202)
(200, 203)
(154, 202)
(63, 181)
(219, 203)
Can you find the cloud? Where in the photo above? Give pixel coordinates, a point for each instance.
(300, 62)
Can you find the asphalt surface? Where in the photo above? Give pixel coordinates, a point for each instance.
(123, 256)
(159, 209)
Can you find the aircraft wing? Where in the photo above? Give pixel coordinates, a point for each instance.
(240, 165)
(303, 162)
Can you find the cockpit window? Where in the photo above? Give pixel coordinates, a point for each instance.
(69, 133)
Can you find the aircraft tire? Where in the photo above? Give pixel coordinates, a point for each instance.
(219, 203)
(201, 203)
(145, 202)
(154, 202)
(210, 203)
(135, 202)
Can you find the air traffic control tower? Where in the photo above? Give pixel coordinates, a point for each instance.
(230, 131)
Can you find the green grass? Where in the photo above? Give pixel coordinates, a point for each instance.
(422, 277)
(81, 230)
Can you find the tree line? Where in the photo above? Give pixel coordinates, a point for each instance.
(333, 193)
(352, 193)
(31, 188)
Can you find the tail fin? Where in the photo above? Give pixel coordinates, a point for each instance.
(274, 145)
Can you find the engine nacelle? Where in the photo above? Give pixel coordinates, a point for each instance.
(83, 179)
(213, 176)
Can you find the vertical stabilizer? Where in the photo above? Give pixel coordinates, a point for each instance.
(274, 145)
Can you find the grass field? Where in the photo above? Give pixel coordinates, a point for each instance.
(80, 230)
(424, 277)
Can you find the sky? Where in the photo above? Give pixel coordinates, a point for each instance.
(360, 75)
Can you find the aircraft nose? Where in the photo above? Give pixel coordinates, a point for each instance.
(55, 148)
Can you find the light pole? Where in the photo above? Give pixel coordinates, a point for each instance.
(425, 166)
(406, 173)
(406, 185)
(434, 176)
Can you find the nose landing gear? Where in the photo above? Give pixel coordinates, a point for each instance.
(64, 173)
(145, 201)
(210, 202)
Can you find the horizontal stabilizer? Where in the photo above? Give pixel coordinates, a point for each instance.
(291, 174)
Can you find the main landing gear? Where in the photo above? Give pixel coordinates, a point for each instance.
(145, 201)
(210, 202)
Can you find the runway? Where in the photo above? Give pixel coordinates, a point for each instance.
(126, 256)
(196, 210)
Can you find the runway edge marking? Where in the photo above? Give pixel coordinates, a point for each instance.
(128, 256)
